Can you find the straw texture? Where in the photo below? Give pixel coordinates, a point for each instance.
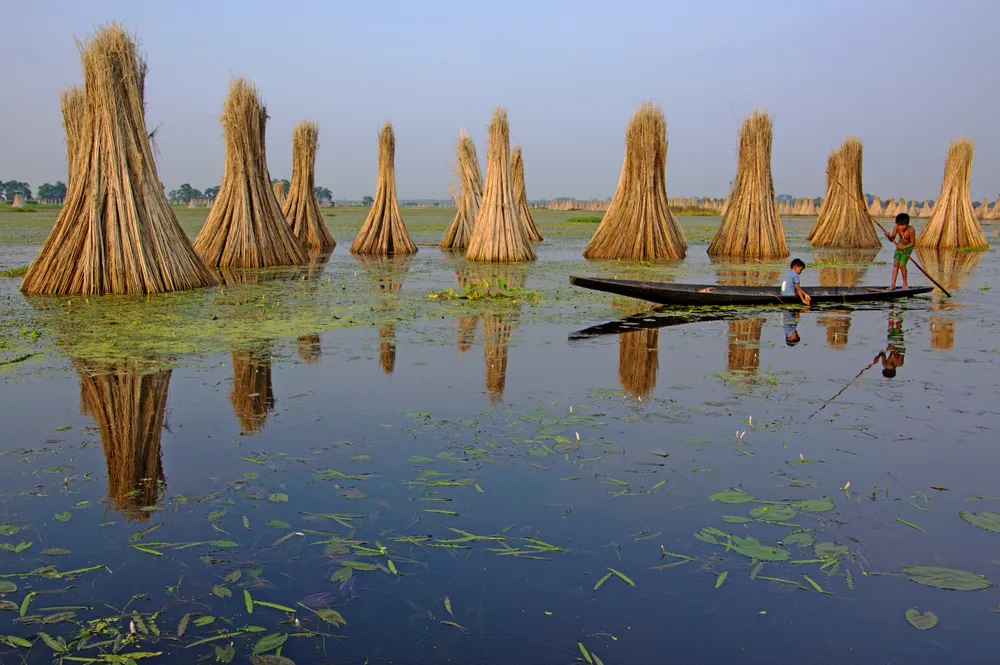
(844, 220)
(499, 235)
(74, 110)
(953, 223)
(116, 232)
(638, 224)
(384, 233)
(301, 207)
(521, 196)
(638, 360)
(279, 192)
(743, 352)
(471, 177)
(245, 228)
(252, 394)
(751, 227)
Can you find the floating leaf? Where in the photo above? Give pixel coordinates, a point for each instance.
(7, 586)
(270, 642)
(602, 581)
(753, 548)
(984, 519)
(222, 591)
(586, 654)
(736, 519)
(224, 543)
(828, 550)
(277, 497)
(8, 529)
(813, 505)
(909, 524)
(341, 575)
(251, 475)
(278, 524)
(623, 576)
(731, 496)
(813, 584)
(332, 617)
(924, 621)
(17, 641)
(721, 578)
(270, 660)
(248, 601)
(27, 602)
(204, 621)
(849, 578)
(57, 644)
(779, 513)
(183, 624)
(56, 551)
(215, 515)
(799, 538)
(63, 517)
(946, 577)
(8, 606)
(246, 522)
(421, 460)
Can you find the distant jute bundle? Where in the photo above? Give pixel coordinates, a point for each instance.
(18, 201)
(301, 206)
(876, 209)
(129, 409)
(844, 220)
(498, 235)
(116, 232)
(638, 360)
(638, 224)
(384, 232)
(252, 393)
(74, 110)
(471, 178)
(953, 221)
(751, 227)
(279, 192)
(245, 228)
(521, 196)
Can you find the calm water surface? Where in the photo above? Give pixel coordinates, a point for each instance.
(467, 482)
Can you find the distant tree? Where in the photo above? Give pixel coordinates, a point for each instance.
(12, 188)
(196, 194)
(49, 192)
(324, 194)
(211, 192)
(184, 193)
(367, 200)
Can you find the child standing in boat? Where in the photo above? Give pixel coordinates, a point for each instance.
(790, 283)
(904, 248)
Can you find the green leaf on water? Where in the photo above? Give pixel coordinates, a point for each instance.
(623, 576)
(248, 601)
(204, 621)
(147, 550)
(813, 584)
(799, 538)
(7, 586)
(225, 544)
(756, 570)
(8, 529)
(222, 591)
(13, 640)
(63, 517)
(23, 545)
(924, 621)
(754, 549)
(57, 644)
(736, 519)
(849, 578)
(332, 617)
(251, 475)
(721, 578)
(27, 602)
(270, 642)
(8, 606)
(276, 606)
(422, 460)
(246, 522)
(602, 581)
(56, 551)
(341, 575)
(909, 524)
(260, 659)
(778, 513)
(731, 496)
(586, 654)
(946, 577)
(278, 524)
(984, 519)
(478, 488)
(659, 484)
(814, 505)
(828, 550)
(215, 515)
(183, 624)
(277, 497)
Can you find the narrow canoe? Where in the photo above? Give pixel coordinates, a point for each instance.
(664, 293)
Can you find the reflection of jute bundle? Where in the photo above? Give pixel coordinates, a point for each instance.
(638, 360)
(496, 342)
(745, 273)
(466, 332)
(387, 347)
(942, 333)
(129, 409)
(309, 348)
(837, 329)
(843, 267)
(252, 394)
(744, 345)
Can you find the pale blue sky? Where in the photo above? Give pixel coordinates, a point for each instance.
(906, 76)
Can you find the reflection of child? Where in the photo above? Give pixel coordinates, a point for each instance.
(895, 351)
(790, 322)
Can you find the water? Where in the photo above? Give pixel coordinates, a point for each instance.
(353, 422)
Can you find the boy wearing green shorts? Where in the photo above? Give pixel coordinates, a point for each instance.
(904, 248)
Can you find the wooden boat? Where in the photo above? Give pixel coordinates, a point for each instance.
(664, 293)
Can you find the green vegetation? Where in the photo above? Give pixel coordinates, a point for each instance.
(14, 272)
(585, 219)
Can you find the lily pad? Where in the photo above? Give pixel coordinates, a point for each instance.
(778, 513)
(753, 548)
(731, 496)
(799, 538)
(736, 519)
(946, 577)
(924, 621)
(984, 519)
(829, 550)
(6, 586)
(814, 505)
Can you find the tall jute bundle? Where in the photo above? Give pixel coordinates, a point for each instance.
(926, 209)
(994, 212)
(116, 232)
(128, 407)
(252, 393)
(983, 211)
(74, 111)
(384, 232)
(498, 235)
(890, 209)
(638, 360)
(279, 192)
(521, 196)
(743, 352)
(953, 222)
(751, 227)
(844, 220)
(245, 228)
(471, 177)
(301, 206)
(638, 224)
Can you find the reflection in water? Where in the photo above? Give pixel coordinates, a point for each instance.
(638, 360)
(744, 346)
(736, 272)
(895, 351)
(838, 326)
(499, 318)
(496, 344)
(842, 267)
(466, 332)
(388, 274)
(951, 267)
(129, 409)
(309, 348)
(252, 394)
(387, 347)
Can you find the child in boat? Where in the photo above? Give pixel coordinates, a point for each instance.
(790, 283)
(904, 248)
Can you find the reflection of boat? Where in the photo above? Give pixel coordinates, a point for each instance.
(657, 318)
(714, 294)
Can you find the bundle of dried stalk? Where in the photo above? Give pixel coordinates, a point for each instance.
(992, 214)
(471, 178)
(252, 393)
(128, 407)
(245, 228)
(301, 207)
(18, 201)
(521, 196)
(844, 220)
(279, 191)
(876, 209)
(384, 232)
(116, 232)
(638, 224)
(638, 360)
(498, 235)
(926, 209)
(751, 227)
(743, 353)
(953, 222)
(74, 110)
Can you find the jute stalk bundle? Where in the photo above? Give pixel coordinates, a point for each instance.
(279, 192)
(751, 227)
(18, 201)
(890, 209)
(301, 206)
(875, 209)
(638, 224)
(384, 233)
(116, 232)
(925, 210)
(460, 232)
(843, 220)
(983, 210)
(953, 222)
(638, 360)
(498, 235)
(743, 353)
(252, 394)
(129, 409)
(74, 110)
(521, 196)
(994, 212)
(245, 228)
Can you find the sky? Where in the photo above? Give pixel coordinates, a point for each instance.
(906, 76)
